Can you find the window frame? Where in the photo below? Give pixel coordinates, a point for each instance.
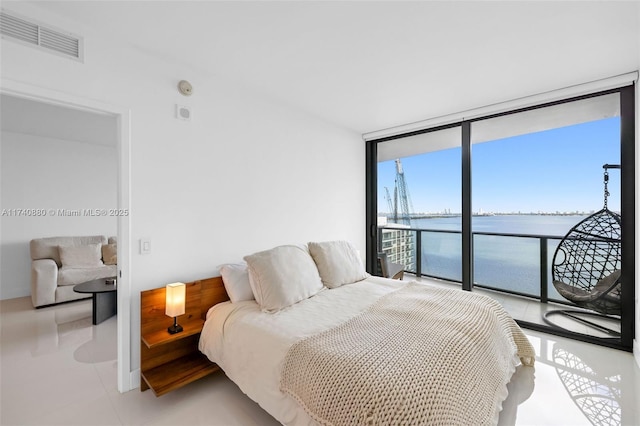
(627, 181)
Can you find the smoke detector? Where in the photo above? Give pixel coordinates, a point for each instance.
(185, 87)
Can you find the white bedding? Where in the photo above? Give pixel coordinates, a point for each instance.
(250, 345)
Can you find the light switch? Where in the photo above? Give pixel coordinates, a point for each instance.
(145, 246)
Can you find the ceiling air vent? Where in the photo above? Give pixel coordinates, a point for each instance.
(26, 31)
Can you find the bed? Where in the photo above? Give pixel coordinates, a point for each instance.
(350, 348)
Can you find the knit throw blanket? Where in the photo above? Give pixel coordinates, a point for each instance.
(421, 355)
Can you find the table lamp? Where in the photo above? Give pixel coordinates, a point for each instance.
(174, 306)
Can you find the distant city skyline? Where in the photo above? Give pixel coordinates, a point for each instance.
(486, 213)
(557, 170)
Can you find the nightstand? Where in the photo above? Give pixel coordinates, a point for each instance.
(170, 361)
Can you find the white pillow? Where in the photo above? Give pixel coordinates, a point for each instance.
(338, 263)
(84, 256)
(282, 276)
(235, 277)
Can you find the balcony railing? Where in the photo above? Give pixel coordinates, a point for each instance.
(517, 264)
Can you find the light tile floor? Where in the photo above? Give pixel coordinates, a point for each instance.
(56, 368)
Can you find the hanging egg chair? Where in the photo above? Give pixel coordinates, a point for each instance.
(586, 265)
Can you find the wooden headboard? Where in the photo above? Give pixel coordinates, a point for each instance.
(201, 295)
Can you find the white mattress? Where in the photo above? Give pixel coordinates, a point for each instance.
(250, 345)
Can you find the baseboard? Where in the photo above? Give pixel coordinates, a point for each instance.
(134, 379)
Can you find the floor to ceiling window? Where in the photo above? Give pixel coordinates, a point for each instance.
(508, 190)
(419, 220)
(538, 173)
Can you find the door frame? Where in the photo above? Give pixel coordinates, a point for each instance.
(123, 116)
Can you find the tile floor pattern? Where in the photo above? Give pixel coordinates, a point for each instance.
(56, 368)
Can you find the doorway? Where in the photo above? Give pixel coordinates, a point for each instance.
(121, 120)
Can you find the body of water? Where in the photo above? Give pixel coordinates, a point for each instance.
(507, 224)
(504, 262)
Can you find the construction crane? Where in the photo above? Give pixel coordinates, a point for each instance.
(401, 191)
(403, 194)
(390, 202)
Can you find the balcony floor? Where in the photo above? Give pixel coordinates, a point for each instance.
(531, 310)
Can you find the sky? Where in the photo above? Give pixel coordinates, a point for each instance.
(557, 170)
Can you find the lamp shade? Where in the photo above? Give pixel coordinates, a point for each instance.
(175, 302)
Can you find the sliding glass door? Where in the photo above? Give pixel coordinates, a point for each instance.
(419, 221)
(514, 205)
(537, 174)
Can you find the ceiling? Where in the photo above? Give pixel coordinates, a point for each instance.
(367, 66)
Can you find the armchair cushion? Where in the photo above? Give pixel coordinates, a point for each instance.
(86, 256)
(73, 276)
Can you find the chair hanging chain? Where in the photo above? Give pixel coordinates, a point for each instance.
(606, 190)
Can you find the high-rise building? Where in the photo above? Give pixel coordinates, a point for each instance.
(397, 243)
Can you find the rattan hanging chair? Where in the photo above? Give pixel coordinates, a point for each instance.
(586, 267)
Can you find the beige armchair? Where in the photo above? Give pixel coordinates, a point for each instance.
(52, 280)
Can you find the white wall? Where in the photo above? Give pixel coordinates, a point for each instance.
(246, 174)
(49, 174)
